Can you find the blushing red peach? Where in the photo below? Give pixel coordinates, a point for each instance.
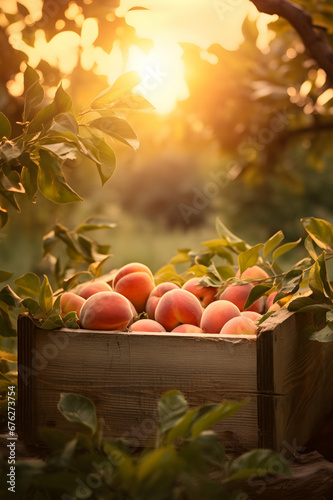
(155, 296)
(176, 307)
(133, 267)
(94, 287)
(106, 311)
(69, 302)
(146, 325)
(240, 326)
(251, 314)
(136, 287)
(238, 294)
(254, 272)
(270, 300)
(186, 328)
(206, 294)
(217, 314)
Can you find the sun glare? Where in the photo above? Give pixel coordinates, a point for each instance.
(162, 73)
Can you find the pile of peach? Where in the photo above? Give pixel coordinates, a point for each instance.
(192, 308)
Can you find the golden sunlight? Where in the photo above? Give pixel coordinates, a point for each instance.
(162, 72)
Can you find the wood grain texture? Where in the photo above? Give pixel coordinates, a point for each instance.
(299, 375)
(125, 374)
(288, 379)
(311, 479)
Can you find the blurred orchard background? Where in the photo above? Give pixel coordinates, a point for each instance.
(242, 126)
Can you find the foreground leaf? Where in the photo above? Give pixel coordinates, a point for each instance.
(320, 231)
(258, 463)
(77, 408)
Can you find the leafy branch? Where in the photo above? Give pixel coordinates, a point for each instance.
(187, 461)
(305, 286)
(52, 137)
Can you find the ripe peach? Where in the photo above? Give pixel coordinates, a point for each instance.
(136, 287)
(176, 307)
(94, 287)
(206, 294)
(238, 294)
(217, 314)
(270, 300)
(251, 314)
(146, 325)
(186, 328)
(239, 326)
(156, 294)
(133, 267)
(69, 302)
(106, 311)
(254, 272)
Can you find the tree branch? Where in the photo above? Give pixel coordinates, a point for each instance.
(302, 22)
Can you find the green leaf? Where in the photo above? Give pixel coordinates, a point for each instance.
(181, 428)
(52, 322)
(62, 103)
(216, 413)
(308, 243)
(65, 122)
(318, 279)
(171, 407)
(29, 284)
(32, 306)
(320, 231)
(135, 102)
(256, 292)
(258, 463)
(96, 267)
(62, 150)
(207, 447)
(249, 258)
(77, 408)
(33, 93)
(71, 320)
(272, 243)
(52, 182)
(94, 223)
(168, 273)
(3, 217)
(9, 297)
(46, 296)
(8, 356)
(117, 128)
(122, 85)
(290, 283)
(6, 327)
(76, 279)
(29, 176)
(106, 159)
(55, 439)
(5, 275)
(180, 257)
(236, 243)
(5, 127)
(285, 248)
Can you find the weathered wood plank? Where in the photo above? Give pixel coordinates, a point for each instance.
(299, 376)
(125, 374)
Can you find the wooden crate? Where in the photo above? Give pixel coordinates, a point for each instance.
(287, 378)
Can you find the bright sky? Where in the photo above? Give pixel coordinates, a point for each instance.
(167, 23)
